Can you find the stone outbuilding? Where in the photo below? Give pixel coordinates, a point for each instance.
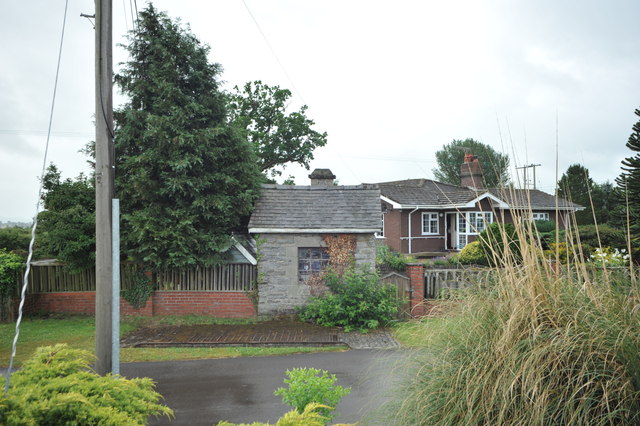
(292, 225)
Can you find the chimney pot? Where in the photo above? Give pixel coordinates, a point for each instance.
(471, 173)
(322, 177)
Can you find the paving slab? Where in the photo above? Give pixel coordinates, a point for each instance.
(264, 333)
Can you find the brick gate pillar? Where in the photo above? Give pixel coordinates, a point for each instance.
(415, 271)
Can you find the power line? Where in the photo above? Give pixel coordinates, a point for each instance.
(26, 132)
(35, 219)
(273, 52)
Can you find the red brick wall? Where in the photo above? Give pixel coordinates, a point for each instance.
(216, 304)
(416, 276)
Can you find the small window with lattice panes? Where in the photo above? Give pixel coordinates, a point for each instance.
(311, 261)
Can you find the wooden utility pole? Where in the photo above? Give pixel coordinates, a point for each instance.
(104, 185)
(526, 184)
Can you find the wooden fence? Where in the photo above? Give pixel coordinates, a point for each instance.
(443, 283)
(52, 278)
(403, 285)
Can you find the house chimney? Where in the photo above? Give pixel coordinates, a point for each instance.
(322, 177)
(471, 172)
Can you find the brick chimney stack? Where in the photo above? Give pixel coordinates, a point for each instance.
(471, 172)
(322, 177)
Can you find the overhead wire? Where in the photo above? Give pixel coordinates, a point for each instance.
(35, 218)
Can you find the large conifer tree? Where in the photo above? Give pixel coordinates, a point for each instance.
(629, 181)
(184, 176)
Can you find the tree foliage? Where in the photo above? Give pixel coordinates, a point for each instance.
(278, 137)
(184, 175)
(15, 239)
(629, 180)
(66, 229)
(576, 186)
(495, 166)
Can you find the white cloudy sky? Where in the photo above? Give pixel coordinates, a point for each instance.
(391, 82)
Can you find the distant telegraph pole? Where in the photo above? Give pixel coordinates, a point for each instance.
(526, 184)
(104, 185)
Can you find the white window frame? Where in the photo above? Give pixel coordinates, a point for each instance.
(539, 216)
(381, 233)
(466, 227)
(433, 216)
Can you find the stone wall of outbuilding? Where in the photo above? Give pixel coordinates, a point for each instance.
(279, 289)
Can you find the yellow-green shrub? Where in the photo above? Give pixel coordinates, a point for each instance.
(472, 254)
(56, 386)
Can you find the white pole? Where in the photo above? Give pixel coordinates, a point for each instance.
(115, 288)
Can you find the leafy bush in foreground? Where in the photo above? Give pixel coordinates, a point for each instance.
(310, 385)
(310, 416)
(357, 301)
(56, 386)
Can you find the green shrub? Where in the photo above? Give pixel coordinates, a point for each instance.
(386, 257)
(357, 301)
(138, 294)
(15, 239)
(472, 254)
(543, 226)
(592, 237)
(310, 385)
(310, 416)
(11, 265)
(56, 387)
(499, 242)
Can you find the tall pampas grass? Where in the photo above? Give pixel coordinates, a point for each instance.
(545, 343)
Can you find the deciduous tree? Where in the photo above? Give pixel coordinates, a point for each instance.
(495, 166)
(278, 137)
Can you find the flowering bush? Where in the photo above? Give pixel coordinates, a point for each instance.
(608, 257)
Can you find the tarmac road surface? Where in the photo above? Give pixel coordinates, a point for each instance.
(240, 390)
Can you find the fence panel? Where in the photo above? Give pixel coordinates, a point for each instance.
(444, 283)
(52, 277)
(403, 285)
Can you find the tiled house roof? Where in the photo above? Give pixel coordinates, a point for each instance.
(286, 208)
(429, 193)
(538, 200)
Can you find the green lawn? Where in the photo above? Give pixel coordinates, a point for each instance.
(417, 333)
(79, 332)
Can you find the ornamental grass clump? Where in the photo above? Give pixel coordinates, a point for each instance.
(546, 344)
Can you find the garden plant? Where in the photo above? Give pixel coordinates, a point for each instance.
(545, 344)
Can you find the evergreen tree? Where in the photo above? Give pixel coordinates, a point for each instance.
(629, 181)
(185, 177)
(66, 226)
(495, 166)
(576, 186)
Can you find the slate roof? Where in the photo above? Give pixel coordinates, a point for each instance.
(426, 192)
(312, 208)
(520, 198)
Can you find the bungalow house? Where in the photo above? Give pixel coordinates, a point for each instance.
(422, 216)
(292, 226)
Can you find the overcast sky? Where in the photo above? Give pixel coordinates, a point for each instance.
(391, 82)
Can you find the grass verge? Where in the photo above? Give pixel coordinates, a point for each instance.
(79, 332)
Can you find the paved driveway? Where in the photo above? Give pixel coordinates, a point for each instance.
(240, 390)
